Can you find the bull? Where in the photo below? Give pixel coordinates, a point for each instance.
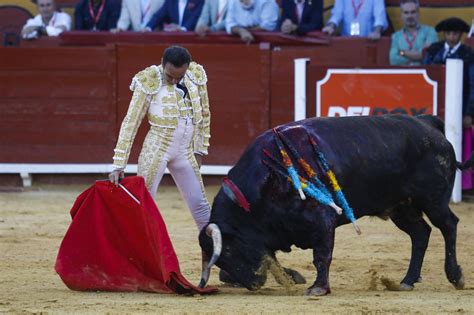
(391, 166)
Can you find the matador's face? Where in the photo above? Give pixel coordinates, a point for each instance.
(173, 74)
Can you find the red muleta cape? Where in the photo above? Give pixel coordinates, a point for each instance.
(116, 244)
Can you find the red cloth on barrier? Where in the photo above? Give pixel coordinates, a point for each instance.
(116, 244)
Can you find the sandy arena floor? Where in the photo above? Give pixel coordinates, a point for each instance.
(32, 224)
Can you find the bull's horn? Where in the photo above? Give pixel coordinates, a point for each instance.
(205, 271)
(213, 231)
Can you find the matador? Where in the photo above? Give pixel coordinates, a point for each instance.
(174, 97)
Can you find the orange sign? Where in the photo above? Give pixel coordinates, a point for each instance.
(359, 92)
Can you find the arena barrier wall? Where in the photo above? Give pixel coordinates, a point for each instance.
(62, 105)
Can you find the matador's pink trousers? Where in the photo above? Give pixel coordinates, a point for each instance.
(179, 158)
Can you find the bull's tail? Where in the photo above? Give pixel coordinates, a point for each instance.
(438, 124)
(468, 164)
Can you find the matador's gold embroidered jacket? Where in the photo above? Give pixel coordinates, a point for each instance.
(153, 96)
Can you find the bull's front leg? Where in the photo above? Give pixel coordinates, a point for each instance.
(323, 245)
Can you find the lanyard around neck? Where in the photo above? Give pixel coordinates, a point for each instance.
(96, 17)
(357, 8)
(410, 42)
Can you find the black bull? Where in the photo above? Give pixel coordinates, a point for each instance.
(388, 166)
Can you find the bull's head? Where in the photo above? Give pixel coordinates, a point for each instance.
(236, 248)
(241, 219)
(245, 263)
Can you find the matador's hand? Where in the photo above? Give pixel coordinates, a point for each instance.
(116, 176)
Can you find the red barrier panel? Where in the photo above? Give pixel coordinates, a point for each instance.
(57, 104)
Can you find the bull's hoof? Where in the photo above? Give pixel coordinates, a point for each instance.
(405, 287)
(456, 278)
(317, 291)
(459, 285)
(295, 275)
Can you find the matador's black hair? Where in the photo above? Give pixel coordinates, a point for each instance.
(176, 55)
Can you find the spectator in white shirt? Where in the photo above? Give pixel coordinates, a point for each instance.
(135, 14)
(212, 17)
(48, 22)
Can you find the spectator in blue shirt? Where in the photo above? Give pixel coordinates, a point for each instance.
(96, 15)
(301, 16)
(364, 18)
(246, 15)
(408, 43)
(177, 15)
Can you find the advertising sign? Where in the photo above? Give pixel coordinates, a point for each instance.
(363, 92)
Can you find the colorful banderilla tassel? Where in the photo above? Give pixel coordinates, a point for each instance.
(349, 213)
(307, 187)
(310, 172)
(289, 166)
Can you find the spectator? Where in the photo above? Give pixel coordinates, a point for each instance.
(301, 16)
(176, 16)
(212, 17)
(408, 43)
(452, 47)
(96, 15)
(364, 18)
(48, 22)
(135, 14)
(246, 15)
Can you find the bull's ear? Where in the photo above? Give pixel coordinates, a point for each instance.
(272, 183)
(275, 180)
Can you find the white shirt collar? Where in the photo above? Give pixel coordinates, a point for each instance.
(51, 22)
(451, 50)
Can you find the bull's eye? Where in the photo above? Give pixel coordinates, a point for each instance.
(226, 252)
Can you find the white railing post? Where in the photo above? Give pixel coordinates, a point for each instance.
(453, 115)
(300, 88)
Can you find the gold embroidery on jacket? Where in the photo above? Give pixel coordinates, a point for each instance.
(146, 84)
